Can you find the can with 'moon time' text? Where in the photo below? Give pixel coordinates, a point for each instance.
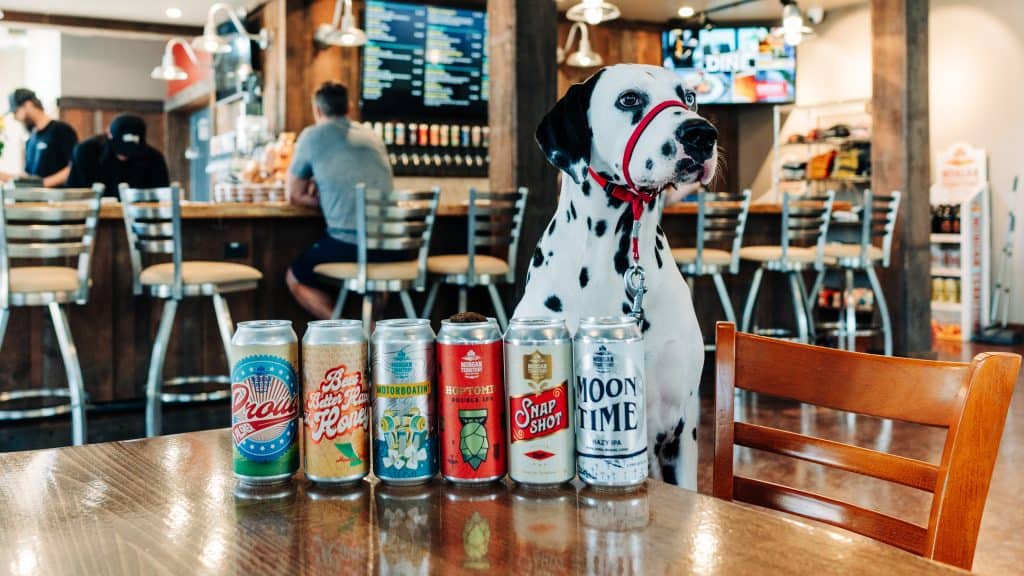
(471, 401)
(611, 414)
(538, 375)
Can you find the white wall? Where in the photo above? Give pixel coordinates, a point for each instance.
(100, 67)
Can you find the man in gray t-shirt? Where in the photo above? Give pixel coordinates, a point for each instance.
(331, 157)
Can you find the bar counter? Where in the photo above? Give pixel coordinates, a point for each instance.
(166, 506)
(114, 332)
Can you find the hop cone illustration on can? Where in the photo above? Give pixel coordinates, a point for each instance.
(473, 439)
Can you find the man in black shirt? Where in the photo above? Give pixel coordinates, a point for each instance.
(48, 151)
(120, 155)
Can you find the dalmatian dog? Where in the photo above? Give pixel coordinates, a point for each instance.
(620, 138)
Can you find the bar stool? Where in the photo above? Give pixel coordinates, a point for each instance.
(721, 220)
(396, 220)
(495, 219)
(152, 220)
(805, 220)
(877, 220)
(41, 224)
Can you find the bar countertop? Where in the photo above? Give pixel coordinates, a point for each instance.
(166, 506)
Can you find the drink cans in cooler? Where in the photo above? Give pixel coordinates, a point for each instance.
(405, 432)
(443, 135)
(424, 138)
(475, 136)
(414, 134)
(611, 415)
(389, 133)
(264, 402)
(336, 402)
(435, 134)
(538, 375)
(453, 137)
(400, 134)
(471, 398)
(465, 136)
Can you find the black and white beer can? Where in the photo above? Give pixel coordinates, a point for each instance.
(611, 414)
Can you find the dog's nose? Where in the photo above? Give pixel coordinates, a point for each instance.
(698, 138)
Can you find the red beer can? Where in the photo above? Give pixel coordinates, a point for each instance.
(471, 400)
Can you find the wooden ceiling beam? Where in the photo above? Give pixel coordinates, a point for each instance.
(106, 25)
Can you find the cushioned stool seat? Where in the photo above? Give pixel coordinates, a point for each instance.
(459, 264)
(774, 254)
(711, 256)
(834, 251)
(44, 279)
(199, 272)
(374, 271)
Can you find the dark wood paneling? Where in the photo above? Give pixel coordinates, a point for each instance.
(92, 116)
(101, 24)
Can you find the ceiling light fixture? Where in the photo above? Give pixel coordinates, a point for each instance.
(342, 30)
(173, 13)
(585, 57)
(214, 43)
(2, 15)
(686, 12)
(792, 23)
(593, 12)
(168, 70)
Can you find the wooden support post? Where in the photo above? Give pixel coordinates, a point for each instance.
(523, 84)
(900, 161)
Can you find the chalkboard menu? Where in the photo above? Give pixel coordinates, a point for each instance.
(424, 62)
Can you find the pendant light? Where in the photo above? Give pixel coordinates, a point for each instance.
(593, 12)
(214, 43)
(585, 57)
(168, 70)
(342, 30)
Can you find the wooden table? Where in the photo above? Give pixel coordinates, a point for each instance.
(165, 506)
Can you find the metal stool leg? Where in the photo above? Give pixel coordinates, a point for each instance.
(410, 310)
(428, 306)
(368, 312)
(689, 283)
(808, 311)
(5, 315)
(154, 381)
(74, 372)
(851, 312)
(339, 304)
(883, 308)
(225, 325)
(799, 308)
(499, 307)
(748, 308)
(463, 298)
(723, 295)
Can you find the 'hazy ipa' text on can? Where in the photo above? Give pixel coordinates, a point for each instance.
(405, 422)
(538, 369)
(336, 402)
(471, 402)
(264, 401)
(611, 415)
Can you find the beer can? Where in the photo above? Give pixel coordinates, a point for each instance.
(336, 533)
(612, 529)
(405, 422)
(443, 135)
(475, 135)
(336, 402)
(611, 415)
(464, 141)
(406, 534)
(400, 134)
(453, 137)
(544, 530)
(264, 402)
(414, 134)
(389, 133)
(424, 137)
(471, 398)
(538, 372)
(472, 520)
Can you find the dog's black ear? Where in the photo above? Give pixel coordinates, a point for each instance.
(564, 134)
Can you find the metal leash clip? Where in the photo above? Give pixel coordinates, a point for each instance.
(636, 287)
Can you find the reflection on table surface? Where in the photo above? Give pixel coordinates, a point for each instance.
(169, 506)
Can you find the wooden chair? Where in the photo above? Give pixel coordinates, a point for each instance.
(969, 400)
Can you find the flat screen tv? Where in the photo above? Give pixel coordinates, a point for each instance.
(424, 62)
(747, 65)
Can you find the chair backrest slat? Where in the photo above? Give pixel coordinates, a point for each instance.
(969, 400)
(878, 220)
(721, 220)
(495, 220)
(805, 219)
(44, 224)
(394, 220)
(152, 220)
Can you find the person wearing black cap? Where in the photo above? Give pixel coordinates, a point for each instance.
(48, 151)
(120, 155)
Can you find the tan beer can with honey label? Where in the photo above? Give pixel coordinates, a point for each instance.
(336, 402)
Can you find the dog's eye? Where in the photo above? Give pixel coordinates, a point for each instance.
(630, 100)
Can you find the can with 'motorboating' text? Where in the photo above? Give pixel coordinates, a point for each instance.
(264, 402)
(538, 372)
(611, 409)
(471, 401)
(336, 402)
(405, 429)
